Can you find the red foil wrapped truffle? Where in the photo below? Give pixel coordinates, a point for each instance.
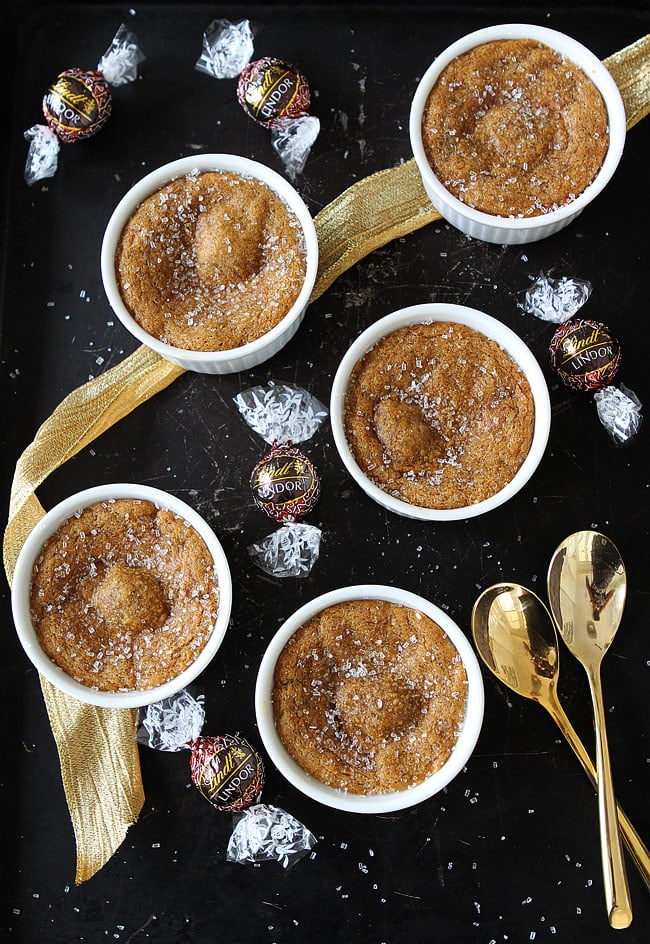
(271, 89)
(227, 771)
(285, 484)
(585, 354)
(77, 104)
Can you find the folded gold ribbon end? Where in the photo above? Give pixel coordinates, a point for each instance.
(100, 768)
(630, 69)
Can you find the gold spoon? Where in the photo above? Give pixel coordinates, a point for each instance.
(515, 636)
(586, 591)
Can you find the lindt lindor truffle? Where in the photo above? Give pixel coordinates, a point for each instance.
(229, 773)
(585, 354)
(273, 92)
(271, 89)
(284, 482)
(78, 104)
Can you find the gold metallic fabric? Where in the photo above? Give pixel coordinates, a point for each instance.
(100, 768)
(97, 748)
(369, 214)
(630, 69)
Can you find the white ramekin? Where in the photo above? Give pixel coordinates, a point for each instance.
(21, 584)
(491, 328)
(499, 229)
(211, 362)
(379, 802)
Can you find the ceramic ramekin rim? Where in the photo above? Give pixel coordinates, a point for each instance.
(181, 167)
(382, 802)
(577, 53)
(487, 325)
(21, 583)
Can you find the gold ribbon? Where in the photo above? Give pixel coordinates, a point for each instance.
(630, 69)
(99, 757)
(97, 748)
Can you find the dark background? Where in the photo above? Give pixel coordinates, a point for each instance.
(510, 851)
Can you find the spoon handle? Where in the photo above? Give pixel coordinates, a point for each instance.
(617, 893)
(633, 841)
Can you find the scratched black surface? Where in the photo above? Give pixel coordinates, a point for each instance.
(510, 851)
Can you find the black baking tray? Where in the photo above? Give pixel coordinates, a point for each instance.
(509, 851)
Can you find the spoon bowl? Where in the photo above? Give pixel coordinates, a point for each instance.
(515, 637)
(586, 591)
